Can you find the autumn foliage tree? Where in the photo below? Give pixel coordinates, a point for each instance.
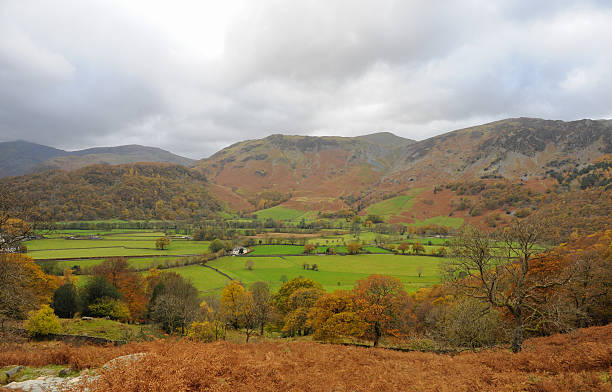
(418, 248)
(162, 243)
(354, 248)
(309, 248)
(129, 283)
(14, 213)
(383, 305)
(231, 303)
(24, 286)
(334, 317)
(239, 309)
(403, 247)
(498, 268)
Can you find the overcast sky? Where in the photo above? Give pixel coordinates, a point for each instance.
(195, 76)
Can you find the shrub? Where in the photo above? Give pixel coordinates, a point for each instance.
(522, 213)
(309, 248)
(441, 252)
(43, 322)
(98, 288)
(201, 331)
(111, 308)
(216, 245)
(470, 323)
(354, 248)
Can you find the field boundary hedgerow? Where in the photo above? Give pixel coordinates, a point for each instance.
(106, 257)
(76, 340)
(218, 271)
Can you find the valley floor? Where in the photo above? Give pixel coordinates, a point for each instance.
(580, 361)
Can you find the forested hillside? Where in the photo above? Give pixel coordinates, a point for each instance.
(131, 191)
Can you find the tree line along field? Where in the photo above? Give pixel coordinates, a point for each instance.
(266, 250)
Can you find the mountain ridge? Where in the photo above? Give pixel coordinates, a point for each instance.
(22, 157)
(327, 174)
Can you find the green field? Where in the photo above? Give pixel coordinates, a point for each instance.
(440, 221)
(139, 263)
(207, 281)
(133, 244)
(281, 213)
(394, 206)
(335, 272)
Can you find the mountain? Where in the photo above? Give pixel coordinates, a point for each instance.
(386, 139)
(482, 175)
(335, 173)
(317, 170)
(514, 149)
(21, 157)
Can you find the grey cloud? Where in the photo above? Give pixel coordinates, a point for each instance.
(78, 74)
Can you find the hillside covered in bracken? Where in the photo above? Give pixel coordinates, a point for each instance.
(518, 149)
(579, 361)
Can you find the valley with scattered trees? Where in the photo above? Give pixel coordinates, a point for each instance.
(471, 283)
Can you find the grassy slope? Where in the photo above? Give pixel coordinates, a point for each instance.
(280, 213)
(393, 206)
(204, 279)
(108, 329)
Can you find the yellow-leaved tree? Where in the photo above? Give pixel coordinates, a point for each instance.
(43, 322)
(24, 287)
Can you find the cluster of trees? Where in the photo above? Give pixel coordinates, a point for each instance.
(114, 290)
(584, 211)
(131, 191)
(23, 287)
(268, 199)
(598, 174)
(492, 195)
(118, 292)
(534, 291)
(417, 247)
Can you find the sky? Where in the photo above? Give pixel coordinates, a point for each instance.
(195, 76)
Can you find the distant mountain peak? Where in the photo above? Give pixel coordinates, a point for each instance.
(386, 139)
(21, 157)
